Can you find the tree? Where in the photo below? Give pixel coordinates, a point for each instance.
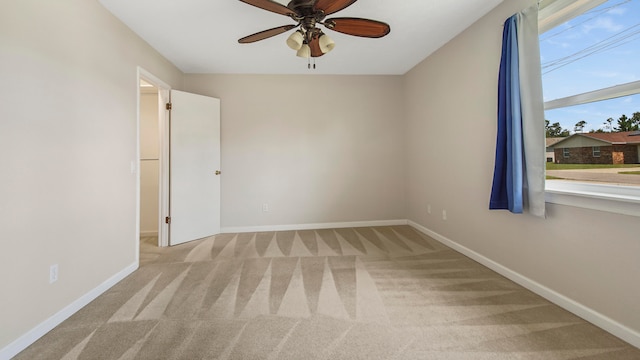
(555, 130)
(580, 126)
(628, 124)
(636, 119)
(609, 124)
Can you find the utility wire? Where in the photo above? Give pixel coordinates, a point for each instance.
(597, 51)
(596, 12)
(592, 53)
(604, 45)
(600, 44)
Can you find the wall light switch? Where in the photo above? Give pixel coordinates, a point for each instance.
(265, 207)
(53, 273)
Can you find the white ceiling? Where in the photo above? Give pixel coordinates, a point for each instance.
(201, 36)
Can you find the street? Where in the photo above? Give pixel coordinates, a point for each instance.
(610, 176)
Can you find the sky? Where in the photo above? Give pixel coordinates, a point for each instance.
(600, 48)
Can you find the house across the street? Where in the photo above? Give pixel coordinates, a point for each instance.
(551, 141)
(599, 148)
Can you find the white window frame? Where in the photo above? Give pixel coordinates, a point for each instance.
(566, 152)
(604, 197)
(596, 151)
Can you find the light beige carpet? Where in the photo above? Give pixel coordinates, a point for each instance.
(365, 293)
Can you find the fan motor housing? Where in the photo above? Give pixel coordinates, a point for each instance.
(302, 7)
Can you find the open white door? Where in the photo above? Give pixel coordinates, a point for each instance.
(194, 167)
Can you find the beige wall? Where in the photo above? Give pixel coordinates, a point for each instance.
(317, 149)
(589, 256)
(149, 162)
(67, 140)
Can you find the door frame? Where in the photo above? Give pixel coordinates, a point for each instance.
(164, 91)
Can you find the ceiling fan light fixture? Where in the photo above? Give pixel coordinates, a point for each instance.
(296, 40)
(304, 52)
(308, 40)
(326, 43)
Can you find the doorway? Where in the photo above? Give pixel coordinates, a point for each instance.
(149, 165)
(153, 157)
(183, 204)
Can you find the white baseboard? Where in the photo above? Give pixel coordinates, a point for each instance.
(623, 332)
(36, 333)
(337, 225)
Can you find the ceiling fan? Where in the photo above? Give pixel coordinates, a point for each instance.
(309, 40)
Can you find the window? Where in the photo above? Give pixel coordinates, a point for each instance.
(590, 56)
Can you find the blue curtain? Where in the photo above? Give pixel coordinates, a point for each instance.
(508, 178)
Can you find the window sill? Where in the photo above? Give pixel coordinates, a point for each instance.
(611, 198)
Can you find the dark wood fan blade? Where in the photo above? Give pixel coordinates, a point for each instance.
(315, 47)
(266, 34)
(358, 27)
(270, 6)
(332, 6)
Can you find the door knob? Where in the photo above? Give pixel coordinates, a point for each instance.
(218, 172)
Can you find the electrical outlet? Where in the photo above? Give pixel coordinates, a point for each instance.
(429, 209)
(265, 207)
(53, 273)
(444, 214)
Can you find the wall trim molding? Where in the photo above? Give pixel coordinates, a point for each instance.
(44, 327)
(604, 322)
(336, 225)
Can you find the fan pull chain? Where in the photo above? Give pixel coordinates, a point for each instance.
(309, 63)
